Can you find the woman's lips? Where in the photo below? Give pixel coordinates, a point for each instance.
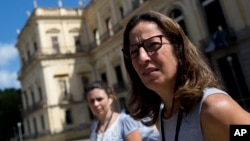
(149, 71)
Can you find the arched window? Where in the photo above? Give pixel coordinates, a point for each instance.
(177, 15)
(220, 34)
(97, 37)
(109, 27)
(213, 14)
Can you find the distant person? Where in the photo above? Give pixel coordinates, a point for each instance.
(172, 84)
(110, 125)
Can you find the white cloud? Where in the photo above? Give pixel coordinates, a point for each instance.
(8, 80)
(8, 52)
(8, 76)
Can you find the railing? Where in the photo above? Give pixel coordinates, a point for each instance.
(61, 50)
(105, 36)
(117, 28)
(65, 99)
(58, 12)
(50, 51)
(40, 134)
(83, 127)
(36, 106)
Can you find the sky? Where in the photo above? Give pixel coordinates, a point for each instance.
(13, 16)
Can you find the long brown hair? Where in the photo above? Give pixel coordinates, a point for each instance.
(193, 75)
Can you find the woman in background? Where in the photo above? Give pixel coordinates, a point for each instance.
(110, 125)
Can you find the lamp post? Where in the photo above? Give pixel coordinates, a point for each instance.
(230, 62)
(19, 124)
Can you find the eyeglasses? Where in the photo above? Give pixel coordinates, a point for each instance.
(150, 45)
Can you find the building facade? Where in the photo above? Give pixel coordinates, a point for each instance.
(61, 50)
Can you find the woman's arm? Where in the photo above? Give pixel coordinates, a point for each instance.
(133, 136)
(218, 112)
(130, 128)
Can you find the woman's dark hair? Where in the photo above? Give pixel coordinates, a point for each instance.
(192, 77)
(100, 85)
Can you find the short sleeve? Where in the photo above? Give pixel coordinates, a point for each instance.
(129, 124)
(93, 134)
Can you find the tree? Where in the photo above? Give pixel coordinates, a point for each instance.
(10, 115)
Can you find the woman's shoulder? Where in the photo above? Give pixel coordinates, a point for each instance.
(219, 105)
(210, 94)
(215, 100)
(212, 90)
(93, 124)
(219, 111)
(126, 118)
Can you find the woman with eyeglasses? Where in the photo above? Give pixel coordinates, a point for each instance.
(172, 84)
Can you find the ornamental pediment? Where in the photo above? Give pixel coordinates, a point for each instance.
(73, 30)
(53, 30)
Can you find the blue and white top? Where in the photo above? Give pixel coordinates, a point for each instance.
(121, 128)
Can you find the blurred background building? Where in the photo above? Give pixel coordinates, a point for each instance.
(62, 49)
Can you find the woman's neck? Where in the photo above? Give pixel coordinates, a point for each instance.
(171, 106)
(106, 117)
(105, 122)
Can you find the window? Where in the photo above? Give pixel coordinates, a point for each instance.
(55, 44)
(29, 55)
(118, 73)
(68, 117)
(28, 126)
(135, 4)
(26, 99)
(122, 12)
(23, 61)
(214, 15)
(122, 103)
(104, 77)
(63, 87)
(35, 46)
(234, 79)
(35, 125)
(77, 43)
(120, 85)
(109, 27)
(42, 122)
(32, 97)
(97, 37)
(220, 34)
(40, 94)
(177, 15)
(85, 82)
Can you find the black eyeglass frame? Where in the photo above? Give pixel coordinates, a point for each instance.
(126, 49)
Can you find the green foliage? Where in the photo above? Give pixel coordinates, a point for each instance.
(10, 104)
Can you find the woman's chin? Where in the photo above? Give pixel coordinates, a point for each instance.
(152, 84)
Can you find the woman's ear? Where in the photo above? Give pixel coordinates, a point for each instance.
(110, 100)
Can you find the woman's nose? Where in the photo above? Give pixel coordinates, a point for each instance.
(143, 55)
(95, 103)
